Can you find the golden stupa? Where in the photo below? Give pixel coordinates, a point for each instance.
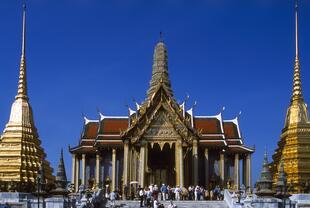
(20, 152)
(294, 146)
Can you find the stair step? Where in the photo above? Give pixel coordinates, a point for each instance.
(180, 204)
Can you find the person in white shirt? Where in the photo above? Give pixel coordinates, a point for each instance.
(196, 193)
(141, 195)
(155, 204)
(177, 191)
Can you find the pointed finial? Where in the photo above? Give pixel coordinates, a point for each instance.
(297, 86)
(296, 28)
(161, 36)
(22, 82)
(61, 154)
(24, 30)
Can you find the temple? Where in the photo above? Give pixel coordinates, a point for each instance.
(293, 147)
(20, 152)
(161, 142)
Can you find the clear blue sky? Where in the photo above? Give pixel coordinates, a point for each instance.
(88, 54)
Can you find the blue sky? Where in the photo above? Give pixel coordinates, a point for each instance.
(89, 54)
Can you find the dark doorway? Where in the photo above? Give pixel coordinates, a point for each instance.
(161, 164)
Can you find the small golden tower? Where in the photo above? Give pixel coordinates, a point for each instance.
(20, 151)
(294, 145)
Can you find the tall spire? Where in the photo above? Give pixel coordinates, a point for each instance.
(297, 112)
(160, 75)
(22, 82)
(297, 87)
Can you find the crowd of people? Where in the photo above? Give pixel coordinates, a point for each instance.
(152, 195)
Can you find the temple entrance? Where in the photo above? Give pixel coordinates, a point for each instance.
(161, 165)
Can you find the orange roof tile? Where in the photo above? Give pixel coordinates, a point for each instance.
(208, 125)
(231, 130)
(113, 125)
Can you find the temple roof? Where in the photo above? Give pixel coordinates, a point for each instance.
(160, 115)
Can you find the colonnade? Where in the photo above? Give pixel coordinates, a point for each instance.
(79, 173)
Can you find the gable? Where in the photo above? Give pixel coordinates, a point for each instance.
(161, 128)
(162, 111)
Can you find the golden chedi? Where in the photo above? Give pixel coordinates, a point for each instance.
(294, 145)
(20, 151)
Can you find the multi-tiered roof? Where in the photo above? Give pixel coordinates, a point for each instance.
(112, 130)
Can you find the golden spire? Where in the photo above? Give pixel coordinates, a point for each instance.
(297, 88)
(22, 82)
(297, 113)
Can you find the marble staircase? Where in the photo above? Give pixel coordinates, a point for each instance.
(180, 204)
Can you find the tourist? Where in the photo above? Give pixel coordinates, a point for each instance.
(170, 192)
(164, 191)
(148, 198)
(155, 203)
(141, 195)
(155, 192)
(222, 194)
(190, 192)
(184, 193)
(171, 205)
(112, 198)
(211, 194)
(196, 193)
(177, 192)
(206, 194)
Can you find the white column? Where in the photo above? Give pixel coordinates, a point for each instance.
(73, 169)
(222, 167)
(206, 168)
(248, 171)
(77, 175)
(195, 162)
(142, 164)
(236, 172)
(113, 169)
(84, 169)
(125, 170)
(181, 166)
(98, 168)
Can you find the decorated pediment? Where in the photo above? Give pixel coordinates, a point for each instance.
(161, 128)
(160, 118)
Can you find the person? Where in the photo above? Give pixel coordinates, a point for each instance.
(196, 193)
(191, 192)
(155, 204)
(177, 193)
(170, 194)
(171, 205)
(148, 197)
(112, 198)
(141, 195)
(107, 191)
(164, 191)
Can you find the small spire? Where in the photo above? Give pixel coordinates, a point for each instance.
(264, 184)
(161, 39)
(297, 87)
(22, 82)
